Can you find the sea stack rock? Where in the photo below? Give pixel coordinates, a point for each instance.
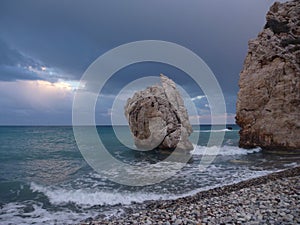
(158, 118)
(268, 106)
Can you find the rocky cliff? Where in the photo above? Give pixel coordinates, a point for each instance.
(157, 118)
(268, 106)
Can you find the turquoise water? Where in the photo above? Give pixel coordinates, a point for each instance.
(45, 179)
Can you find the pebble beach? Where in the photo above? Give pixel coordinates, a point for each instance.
(270, 199)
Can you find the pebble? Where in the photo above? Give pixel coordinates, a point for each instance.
(272, 199)
(178, 222)
(173, 218)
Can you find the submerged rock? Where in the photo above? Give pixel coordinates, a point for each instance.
(158, 118)
(268, 106)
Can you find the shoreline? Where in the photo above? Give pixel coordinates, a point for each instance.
(252, 201)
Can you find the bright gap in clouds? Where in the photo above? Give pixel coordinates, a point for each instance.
(60, 85)
(27, 102)
(70, 85)
(38, 92)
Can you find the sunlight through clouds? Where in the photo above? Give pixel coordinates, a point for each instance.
(39, 94)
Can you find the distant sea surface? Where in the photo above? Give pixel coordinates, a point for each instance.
(45, 179)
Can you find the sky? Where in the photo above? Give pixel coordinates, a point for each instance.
(46, 46)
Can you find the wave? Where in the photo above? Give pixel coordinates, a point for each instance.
(223, 150)
(89, 198)
(13, 213)
(92, 197)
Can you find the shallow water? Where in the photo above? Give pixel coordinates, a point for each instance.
(44, 178)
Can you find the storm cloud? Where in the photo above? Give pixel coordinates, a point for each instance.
(57, 40)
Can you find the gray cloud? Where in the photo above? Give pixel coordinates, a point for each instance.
(14, 65)
(70, 35)
(9, 56)
(13, 73)
(67, 36)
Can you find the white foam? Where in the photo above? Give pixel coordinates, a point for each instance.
(248, 176)
(91, 197)
(293, 164)
(223, 150)
(11, 214)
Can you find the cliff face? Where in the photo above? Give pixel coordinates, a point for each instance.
(268, 106)
(158, 118)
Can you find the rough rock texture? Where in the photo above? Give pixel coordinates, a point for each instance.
(157, 118)
(268, 106)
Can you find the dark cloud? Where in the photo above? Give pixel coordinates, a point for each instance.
(67, 36)
(9, 56)
(15, 66)
(13, 73)
(140, 70)
(70, 35)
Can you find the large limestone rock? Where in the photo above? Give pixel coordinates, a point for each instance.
(157, 118)
(268, 106)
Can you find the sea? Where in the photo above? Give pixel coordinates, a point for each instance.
(44, 179)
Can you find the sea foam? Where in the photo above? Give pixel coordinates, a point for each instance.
(223, 150)
(13, 213)
(91, 197)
